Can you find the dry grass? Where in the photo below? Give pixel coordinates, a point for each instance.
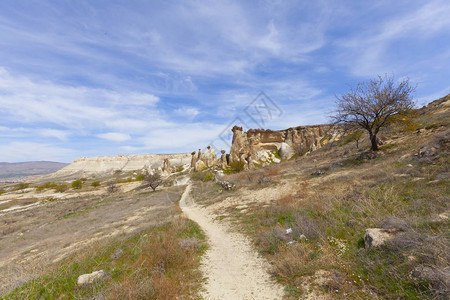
(328, 215)
(154, 264)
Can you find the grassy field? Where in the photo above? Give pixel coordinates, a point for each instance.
(160, 262)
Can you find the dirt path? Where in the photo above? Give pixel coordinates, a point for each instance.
(232, 268)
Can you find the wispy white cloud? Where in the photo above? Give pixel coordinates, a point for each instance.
(115, 136)
(27, 151)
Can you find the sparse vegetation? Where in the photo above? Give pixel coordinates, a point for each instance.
(21, 186)
(112, 187)
(77, 184)
(95, 184)
(61, 188)
(234, 167)
(159, 263)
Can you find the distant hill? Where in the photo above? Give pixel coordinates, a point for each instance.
(8, 170)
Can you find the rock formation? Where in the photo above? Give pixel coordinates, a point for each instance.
(193, 159)
(223, 160)
(199, 166)
(297, 140)
(166, 166)
(109, 164)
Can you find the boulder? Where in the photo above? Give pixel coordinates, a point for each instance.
(286, 151)
(90, 278)
(375, 237)
(200, 166)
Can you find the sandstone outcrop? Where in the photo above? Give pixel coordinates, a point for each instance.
(256, 143)
(223, 160)
(207, 159)
(193, 159)
(109, 164)
(199, 166)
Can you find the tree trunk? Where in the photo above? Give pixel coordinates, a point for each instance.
(373, 140)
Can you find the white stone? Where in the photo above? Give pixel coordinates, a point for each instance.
(375, 237)
(90, 278)
(286, 151)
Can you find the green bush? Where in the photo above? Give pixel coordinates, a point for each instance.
(61, 188)
(21, 186)
(140, 177)
(179, 169)
(202, 176)
(95, 184)
(208, 176)
(234, 167)
(77, 184)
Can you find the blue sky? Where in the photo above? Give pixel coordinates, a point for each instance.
(90, 78)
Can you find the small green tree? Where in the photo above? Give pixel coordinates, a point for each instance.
(375, 104)
(95, 184)
(77, 184)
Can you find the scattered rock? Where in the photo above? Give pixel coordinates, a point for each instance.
(90, 278)
(444, 216)
(317, 173)
(286, 151)
(117, 254)
(289, 230)
(228, 186)
(375, 237)
(427, 151)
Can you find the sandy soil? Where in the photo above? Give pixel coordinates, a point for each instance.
(232, 268)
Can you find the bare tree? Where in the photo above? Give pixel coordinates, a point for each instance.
(112, 187)
(152, 180)
(375, 104)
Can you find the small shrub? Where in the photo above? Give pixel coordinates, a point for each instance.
(2, 191)
(95, 184)
(140, 177)
(21, 186)
(112, 187)
(61, 188)
(77, 184)
(179, 169)
(234, 167)
(208, 176)
(39, 188)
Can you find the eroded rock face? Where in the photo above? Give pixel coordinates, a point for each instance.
(199, 166)
(286, 151)
(297, 140)
(105, 164)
